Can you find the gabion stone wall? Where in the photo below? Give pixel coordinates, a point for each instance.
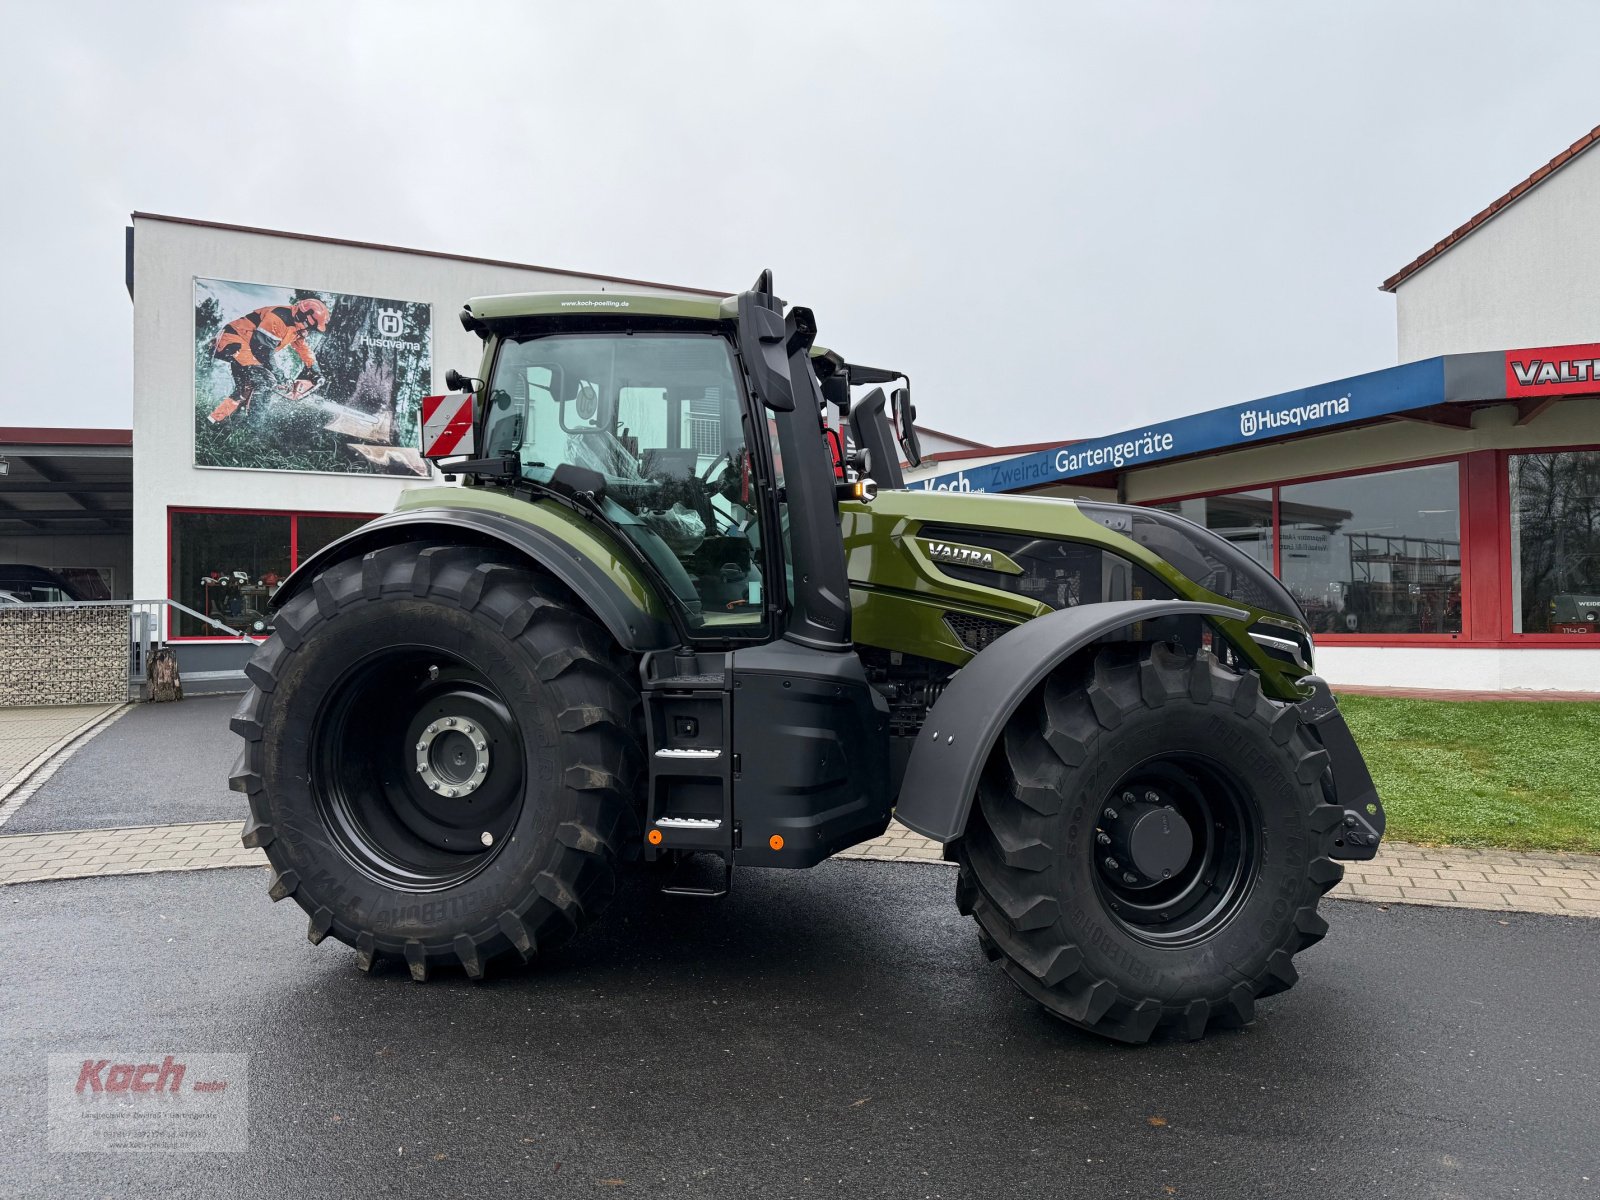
(63, 655)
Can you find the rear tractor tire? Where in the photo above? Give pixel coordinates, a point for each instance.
(1149, 843)
(441, 757)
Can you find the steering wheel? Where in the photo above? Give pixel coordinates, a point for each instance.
(714, 494)
(711, 467)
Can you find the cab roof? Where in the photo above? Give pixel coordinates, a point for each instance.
(491, 311)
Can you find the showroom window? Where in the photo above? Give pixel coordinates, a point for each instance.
(1371, 554)
(227, 565)
(1376, 553)
(1555, 542)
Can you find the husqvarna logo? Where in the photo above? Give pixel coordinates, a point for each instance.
(1253, 420)
(964, 556)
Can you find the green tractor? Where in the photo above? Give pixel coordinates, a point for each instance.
(658, 620)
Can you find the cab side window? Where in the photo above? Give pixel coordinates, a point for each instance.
(658, 415)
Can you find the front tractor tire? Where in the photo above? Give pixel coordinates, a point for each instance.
(1149, 844)
(441, 758)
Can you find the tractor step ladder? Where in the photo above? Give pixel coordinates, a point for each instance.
(674, 888)
(688, 702)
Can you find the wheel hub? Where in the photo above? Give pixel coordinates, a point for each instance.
(1145, 840)
(452, 757)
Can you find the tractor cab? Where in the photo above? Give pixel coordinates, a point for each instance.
(646, 425)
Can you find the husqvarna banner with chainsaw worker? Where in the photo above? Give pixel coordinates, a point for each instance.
(291, 379)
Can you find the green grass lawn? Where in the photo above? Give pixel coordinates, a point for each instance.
(1484, 773)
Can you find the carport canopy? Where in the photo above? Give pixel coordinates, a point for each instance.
(65, 481)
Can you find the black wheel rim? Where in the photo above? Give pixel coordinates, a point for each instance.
(1177, 849)
(416, 766)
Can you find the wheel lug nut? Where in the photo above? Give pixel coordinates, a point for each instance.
(1111, 814)
(1104, 839)
(421, 746)
(1127, 797)
(1129, 877)
(1112, 864)
(483, 768)
(433, 728)
(480, 747)
(449, 722)
(450, 791)
(1152, 798)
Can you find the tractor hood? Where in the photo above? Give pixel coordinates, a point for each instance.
(1018, 557)
(1184, 555)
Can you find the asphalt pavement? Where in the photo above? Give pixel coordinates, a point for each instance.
(160, 764)
(826, 1033)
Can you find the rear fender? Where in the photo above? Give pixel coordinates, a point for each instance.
(962, 727)
(634, 628)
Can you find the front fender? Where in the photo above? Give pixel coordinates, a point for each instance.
(632, 624)
(962, 727)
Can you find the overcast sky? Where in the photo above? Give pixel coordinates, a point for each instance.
(1062, 219)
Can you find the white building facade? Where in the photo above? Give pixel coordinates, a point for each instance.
(1524, 272)
(242, 468)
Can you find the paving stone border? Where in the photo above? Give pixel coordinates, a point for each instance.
(80, 854)
(1502, 880)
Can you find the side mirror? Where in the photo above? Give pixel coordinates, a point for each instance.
(905, 419)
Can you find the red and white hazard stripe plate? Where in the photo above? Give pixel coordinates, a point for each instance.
(447, 425)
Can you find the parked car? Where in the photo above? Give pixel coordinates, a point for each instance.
(35, 585)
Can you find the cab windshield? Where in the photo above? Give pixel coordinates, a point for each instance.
(658, 415)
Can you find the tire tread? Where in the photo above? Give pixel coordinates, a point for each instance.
(597, 703)
(1007, 842)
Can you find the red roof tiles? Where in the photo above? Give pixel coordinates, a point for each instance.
(1515, 194)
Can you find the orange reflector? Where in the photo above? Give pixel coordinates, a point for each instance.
(655, 837)
(776, 841)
